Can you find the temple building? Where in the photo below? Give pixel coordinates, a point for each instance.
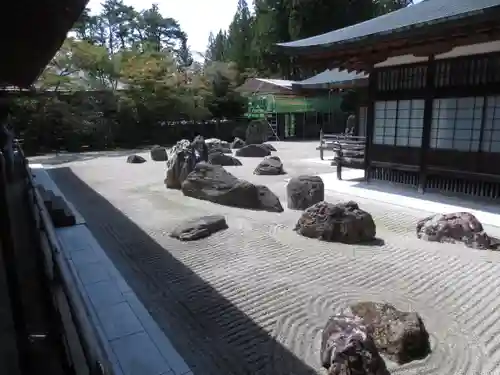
(433, 106)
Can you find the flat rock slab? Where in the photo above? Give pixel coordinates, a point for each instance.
(304, 191)
(159, 153)
(343, 222)
(253, 151)
(348, 348)
(399, 335)
(135, 159)
(195, 229)
(213, 183)
(455, 227)
(271, 165)
(219, 158)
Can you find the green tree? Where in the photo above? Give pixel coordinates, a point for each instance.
(239, 37)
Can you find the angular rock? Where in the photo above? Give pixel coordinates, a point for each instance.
(253, 151)
(215, 143)
(455, 227)
(257, 132)
(343, 222)
(195, 229)
(200, 148)
(135, 159)
(159, 153)
(181, 162)
(213, 183)
(237, 143)
(218, 158)
(347, 348)
(304, 191)
(399, 335)
(268, 146)
(271, 165)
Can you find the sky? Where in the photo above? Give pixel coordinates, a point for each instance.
(196, 17)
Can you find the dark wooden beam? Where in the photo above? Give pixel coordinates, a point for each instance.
(426, 131)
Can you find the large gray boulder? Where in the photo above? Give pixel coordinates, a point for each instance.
(195, 229)
(343, 222)
(237, 143)
(399, 335)
(304, 191)
(181, 162)
(271, 165)
(347, 348)
(257, 132)
(159, 153)
(219, 158)
(455, 227)
(135, 159)
(253, 151)
(213, 183)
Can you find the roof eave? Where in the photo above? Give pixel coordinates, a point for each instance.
(421, 30)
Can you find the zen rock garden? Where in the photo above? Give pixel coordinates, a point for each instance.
(366, 334)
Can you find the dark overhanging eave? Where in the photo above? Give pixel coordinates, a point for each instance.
(435, 27)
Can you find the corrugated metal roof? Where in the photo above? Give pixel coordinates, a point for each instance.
(417, 15)
(330, 78)
(277, 82)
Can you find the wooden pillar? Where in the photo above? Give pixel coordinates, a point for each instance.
(370, 121)
(426, 132)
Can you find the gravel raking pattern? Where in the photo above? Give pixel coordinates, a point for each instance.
(253, 299)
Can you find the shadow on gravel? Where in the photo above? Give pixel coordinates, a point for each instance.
(68, 157)
(194, 315)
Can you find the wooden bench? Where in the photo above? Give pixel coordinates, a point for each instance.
(349, 150)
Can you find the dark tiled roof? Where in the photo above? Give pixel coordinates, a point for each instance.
(34, 33)
(331, 79)
(417, 15)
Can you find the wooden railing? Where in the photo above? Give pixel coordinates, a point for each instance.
(348, 150)
(83, 343)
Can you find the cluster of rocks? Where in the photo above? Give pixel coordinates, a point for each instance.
(58, 209)
(196, 168)
(352, 342)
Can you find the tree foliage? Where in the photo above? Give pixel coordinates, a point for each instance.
(250, 38)
(124, 75)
